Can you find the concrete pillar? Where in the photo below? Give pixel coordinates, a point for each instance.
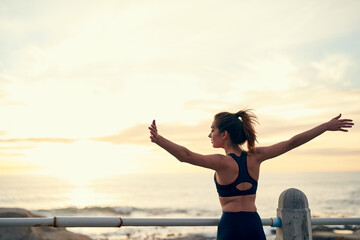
(293, 209)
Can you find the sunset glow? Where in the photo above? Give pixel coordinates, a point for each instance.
(80, 81)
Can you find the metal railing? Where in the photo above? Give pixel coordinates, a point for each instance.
(335, 221)
(116, 222)
(145, 222)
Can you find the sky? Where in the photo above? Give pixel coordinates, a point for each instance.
(80, 81)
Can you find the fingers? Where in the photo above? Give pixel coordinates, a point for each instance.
(337, 124)
(346, 123)
(345, 127)
(337, 117)
(343, 121)
(153, 125)
(153, 131)
(152, 128)
(153, 135)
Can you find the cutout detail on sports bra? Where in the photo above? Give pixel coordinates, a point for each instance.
(244, 186)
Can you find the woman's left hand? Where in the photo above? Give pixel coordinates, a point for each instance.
(337, 124)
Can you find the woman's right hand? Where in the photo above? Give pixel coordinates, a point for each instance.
(337, 124)
(153, 132)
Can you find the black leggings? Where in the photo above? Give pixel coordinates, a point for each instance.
(240, 225)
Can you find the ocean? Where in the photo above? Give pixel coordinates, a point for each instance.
(330, 194)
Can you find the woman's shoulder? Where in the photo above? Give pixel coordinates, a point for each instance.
(253, 156)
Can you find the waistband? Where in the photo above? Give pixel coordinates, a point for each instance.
(240, 213)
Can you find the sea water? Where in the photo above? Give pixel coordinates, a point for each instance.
(187, 195)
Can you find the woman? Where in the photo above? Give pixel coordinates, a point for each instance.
(237, 172)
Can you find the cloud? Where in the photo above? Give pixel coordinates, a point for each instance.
(3, 83)
(323, 152)
(17, 167)
(38, 140)
(331, 71)
(14, 148)
(109, 45)
(137, 135)
(2, 94)
(194, 136)
(11, 155)
(140, 33)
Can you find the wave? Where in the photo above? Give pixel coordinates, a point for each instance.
(124, 211)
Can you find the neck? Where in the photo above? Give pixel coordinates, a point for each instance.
(233, 148)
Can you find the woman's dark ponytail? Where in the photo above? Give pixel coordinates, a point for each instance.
(248, 119)
(240, 127)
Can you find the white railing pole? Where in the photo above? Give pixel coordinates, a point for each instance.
(335, 221)
(170, 222)
(116, 222)
(26, 222)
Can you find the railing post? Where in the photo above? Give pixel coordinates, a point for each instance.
(293, 209)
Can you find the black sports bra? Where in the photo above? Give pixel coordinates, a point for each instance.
(230, 190)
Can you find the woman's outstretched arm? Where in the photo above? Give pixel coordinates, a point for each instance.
(214, 161)
(335, 124)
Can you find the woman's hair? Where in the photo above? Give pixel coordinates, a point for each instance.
(240, 127)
